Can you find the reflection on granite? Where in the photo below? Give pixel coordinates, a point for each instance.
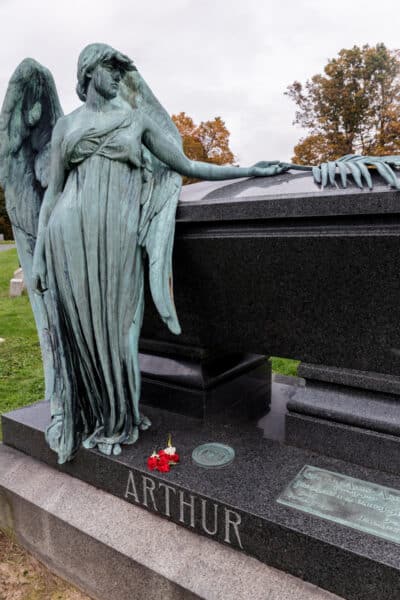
(282, 391)
(288, 183)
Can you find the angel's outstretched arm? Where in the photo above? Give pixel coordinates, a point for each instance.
(53, 192)
(170, 154)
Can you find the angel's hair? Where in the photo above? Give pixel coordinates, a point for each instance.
(91, 56)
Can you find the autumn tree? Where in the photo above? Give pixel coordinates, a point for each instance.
(353, 107)
(207, 142)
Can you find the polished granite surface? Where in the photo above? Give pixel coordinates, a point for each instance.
(242, 497)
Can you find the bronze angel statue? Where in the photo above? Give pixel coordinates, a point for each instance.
(88, 195)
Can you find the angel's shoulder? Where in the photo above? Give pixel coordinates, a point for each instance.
(58, 131)
(68, 122)
(73, 117)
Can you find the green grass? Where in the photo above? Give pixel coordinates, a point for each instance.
(21, 375)
(284, 366)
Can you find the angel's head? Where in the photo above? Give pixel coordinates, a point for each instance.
(105, 67)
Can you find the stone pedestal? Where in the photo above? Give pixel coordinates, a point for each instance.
(365, 380)
(237, 508)
(116, 551)
(204, 387)
(348, 414)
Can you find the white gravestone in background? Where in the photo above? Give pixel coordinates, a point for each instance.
(17, 284)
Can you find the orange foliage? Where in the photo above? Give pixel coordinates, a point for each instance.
(207, 142)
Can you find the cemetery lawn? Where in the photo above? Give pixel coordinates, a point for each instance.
(284, 366)
(21, 375)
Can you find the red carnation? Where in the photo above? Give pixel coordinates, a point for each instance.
(174, 458)
(152, 461)
(163, 466)
(163, 459)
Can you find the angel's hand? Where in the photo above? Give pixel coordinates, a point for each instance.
(268, 168)
(39, 276)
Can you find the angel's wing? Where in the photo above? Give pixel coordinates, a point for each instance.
(159, 200)
(30, 110)
(358, 167)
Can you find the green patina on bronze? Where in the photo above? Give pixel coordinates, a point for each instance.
(88, 195)
(213, 455)
(359, 504)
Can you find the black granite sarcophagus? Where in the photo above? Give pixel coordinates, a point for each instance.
(281, 267)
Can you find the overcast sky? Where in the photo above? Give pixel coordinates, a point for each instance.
(209, 58)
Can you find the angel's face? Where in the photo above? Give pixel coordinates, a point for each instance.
(105, 78)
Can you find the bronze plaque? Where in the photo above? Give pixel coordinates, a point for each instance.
(355, 503)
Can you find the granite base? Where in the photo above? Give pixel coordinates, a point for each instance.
(351, 424)
(366, 380)
(204, 387)
(113, 550)
(237, 505)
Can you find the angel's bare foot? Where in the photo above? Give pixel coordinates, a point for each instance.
(117, 449)
(105, 448)
(145, 423)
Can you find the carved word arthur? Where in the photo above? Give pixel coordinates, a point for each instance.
(193, 511)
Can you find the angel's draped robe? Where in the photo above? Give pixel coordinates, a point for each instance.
(95, 280)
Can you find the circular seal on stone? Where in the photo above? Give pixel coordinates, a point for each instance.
(213, 455)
